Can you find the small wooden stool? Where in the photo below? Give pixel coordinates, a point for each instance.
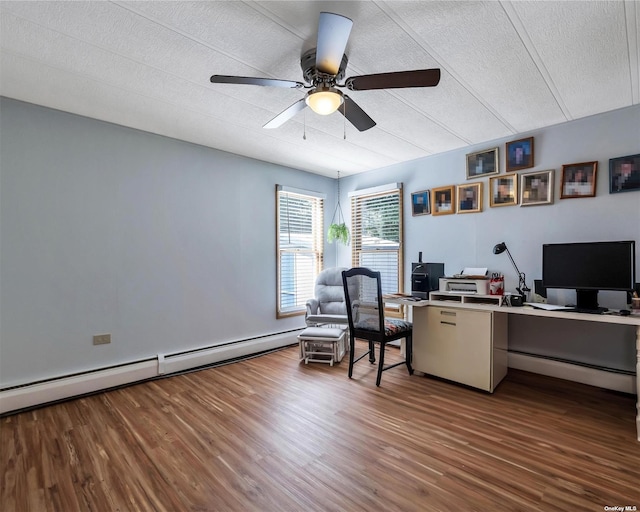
(322, 345)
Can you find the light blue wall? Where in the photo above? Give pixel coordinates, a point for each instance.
(166, 245)
(467, 240)
(170, 246)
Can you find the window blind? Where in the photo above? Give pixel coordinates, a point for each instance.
(300, 227)
(377, 236)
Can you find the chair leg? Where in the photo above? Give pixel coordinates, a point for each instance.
(372, 352)
(352, 350)
(408, 348)
(380, 363)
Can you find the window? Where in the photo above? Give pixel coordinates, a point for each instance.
(376, 240)
(300, 227)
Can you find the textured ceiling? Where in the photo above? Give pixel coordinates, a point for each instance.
(507, 68)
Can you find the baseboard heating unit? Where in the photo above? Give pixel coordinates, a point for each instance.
(615, 380)
(43, 392)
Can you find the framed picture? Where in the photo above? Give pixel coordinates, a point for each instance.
(443, 200)
(519, 154)
(578, 180)
(482, 163)
(624, 174)
(536, 188)
(420, 204)
(470, 198)
(503, 190)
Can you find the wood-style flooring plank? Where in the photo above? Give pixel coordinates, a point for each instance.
(272, 434)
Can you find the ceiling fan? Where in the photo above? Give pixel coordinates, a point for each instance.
(323, 67)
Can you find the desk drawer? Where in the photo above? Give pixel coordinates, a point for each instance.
(457, 346)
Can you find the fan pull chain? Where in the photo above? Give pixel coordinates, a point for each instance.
(304, 124)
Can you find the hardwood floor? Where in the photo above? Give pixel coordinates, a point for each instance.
(271, 434)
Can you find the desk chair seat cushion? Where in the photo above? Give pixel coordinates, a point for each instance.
(392, 326)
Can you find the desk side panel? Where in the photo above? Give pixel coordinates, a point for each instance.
(500, 345)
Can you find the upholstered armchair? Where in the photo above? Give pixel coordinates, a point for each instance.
(328, 306)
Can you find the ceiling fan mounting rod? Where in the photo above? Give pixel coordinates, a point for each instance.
(323, 80)
(310, 72)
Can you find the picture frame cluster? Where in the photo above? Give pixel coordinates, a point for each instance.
(532, 188)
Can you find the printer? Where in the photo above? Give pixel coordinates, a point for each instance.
(469, 281)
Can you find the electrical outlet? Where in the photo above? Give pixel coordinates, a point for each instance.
(102, 339)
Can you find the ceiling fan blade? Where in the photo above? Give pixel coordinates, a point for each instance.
(397, 80)
(355, 115)
(333, 34)
(248, 80)
(286, 114)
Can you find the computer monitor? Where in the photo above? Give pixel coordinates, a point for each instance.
(588, 268)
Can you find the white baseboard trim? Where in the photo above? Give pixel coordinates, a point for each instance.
(181, 362)
(573, 372)
(31, 395)
(66, 387)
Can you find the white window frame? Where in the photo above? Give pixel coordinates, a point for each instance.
(295, 285)
(359, 198)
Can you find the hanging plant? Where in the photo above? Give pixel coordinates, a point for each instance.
(338, 230)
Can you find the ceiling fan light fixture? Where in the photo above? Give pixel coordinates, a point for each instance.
(323, 69)
(324, 101)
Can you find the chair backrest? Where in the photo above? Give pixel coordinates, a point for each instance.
(329, 292)
(363, 294)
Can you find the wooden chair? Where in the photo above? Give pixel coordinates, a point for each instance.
(365, 312)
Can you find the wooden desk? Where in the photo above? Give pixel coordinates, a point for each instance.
(421, 323)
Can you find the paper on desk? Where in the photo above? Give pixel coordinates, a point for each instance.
(475, 271)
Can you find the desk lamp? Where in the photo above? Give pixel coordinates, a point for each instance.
(522, 285)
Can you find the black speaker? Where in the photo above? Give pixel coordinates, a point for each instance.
(539, 289)
(425, 278)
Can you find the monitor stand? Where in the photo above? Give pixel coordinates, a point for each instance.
(587, 302)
